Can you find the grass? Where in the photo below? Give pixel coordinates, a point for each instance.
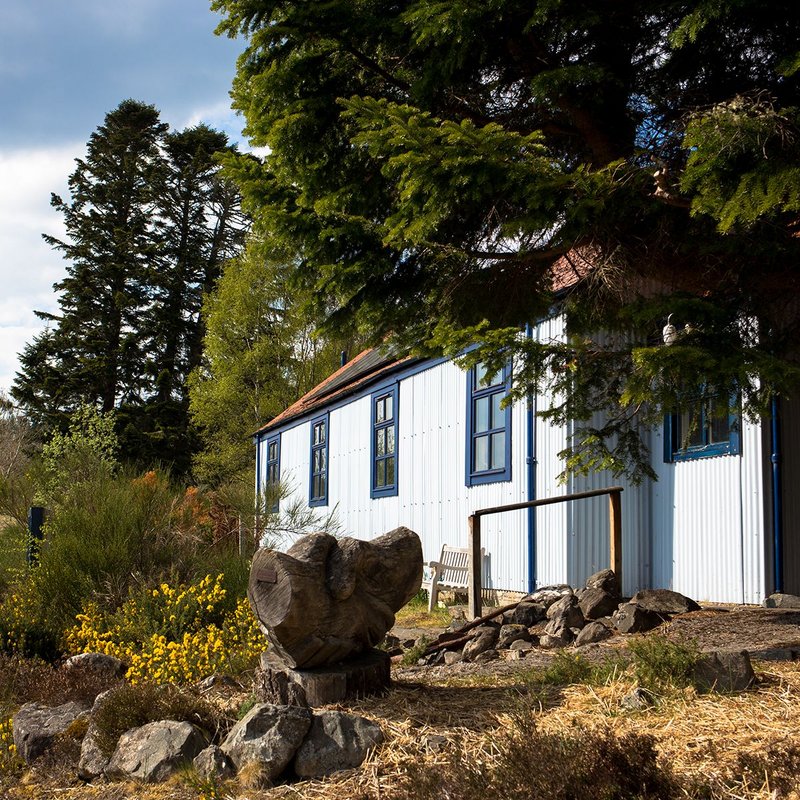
(415, 614)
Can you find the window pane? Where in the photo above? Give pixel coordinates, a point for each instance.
(315, 461)
(482, 414)
(273, 451)
(323, 457)
(380, 473)
(720, 429)
(389, 407)
(380, 410)
(691, 430)
(498, 414)
(315, 491)
(323, 485)
(498, 450)
(482, 379)
(481, 453)
(390, 471)
(380, 442)
(390, 439)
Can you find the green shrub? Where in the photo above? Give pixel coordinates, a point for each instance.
(568, 668)
(133, 706)
(663, 665)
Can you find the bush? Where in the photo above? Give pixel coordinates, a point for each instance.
(663, 665)
(133, 706)
(177, 634)
(23, 628)
(556, 766)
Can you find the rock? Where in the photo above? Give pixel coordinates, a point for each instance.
(452, 657)
(548, 595)
(593, 632)
(513, 655)
(510, 634)
(724, 671)
(548, 642)
(486, 655)
(217, 681)
(213, 764)
(596, 602)
(36, 725)
(336, 741)
(155, 751)
(485, 639)
(630, 618)
(329, 599)
(637, 700)
(664, 601)
(527, 614)
(563, 615)
(522, 646)
(779, 600)
(268, 735)
(434, 743)
(606, 580)
(93, 760)
(97, 663)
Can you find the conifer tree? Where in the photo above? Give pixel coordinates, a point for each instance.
(435, 168)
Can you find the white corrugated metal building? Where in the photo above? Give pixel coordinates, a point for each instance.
(424, 444)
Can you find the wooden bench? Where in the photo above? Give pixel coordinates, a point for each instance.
(451, 571)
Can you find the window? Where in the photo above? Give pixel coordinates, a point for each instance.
(488, 427)
(273, 472)
(318, 492)
(701, 431)
(384, 442)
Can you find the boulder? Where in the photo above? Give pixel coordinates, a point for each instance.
(93, 760)
(486, 655)
(452, 657)
(98, 664)
(563, 615)
(527, 614)
(631, 618)
(606, 580)
(155, 751)
(510, 634)
(548, 595)
(637, 700)
(522, 646)
(335, 741)
(592, 633)
(596, 602)
(485, 639)
(780, 600)
(328, 599)
(664, 602)
(724, 671)
(268, 735)
(36, 725)
(548, 642)
(213, 764)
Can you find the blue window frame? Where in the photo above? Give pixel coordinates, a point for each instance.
(702, 430)
(318, 484)
(384, 442)
(273, 472)
(488, 427)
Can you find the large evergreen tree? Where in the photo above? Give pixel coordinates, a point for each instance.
(148, 223)
(433, 167)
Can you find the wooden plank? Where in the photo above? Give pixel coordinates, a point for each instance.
(475, 567)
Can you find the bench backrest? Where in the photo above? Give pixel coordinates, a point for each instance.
(455, 565)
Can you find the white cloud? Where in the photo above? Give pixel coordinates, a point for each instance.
(28, 266)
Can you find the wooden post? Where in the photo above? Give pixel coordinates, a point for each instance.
(475, 567)
(615, 533)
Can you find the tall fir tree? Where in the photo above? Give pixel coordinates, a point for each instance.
(149, 223)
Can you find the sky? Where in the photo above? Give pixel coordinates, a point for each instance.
(63, 67)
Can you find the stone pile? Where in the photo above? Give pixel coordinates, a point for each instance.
(559, 616)
(272, 742)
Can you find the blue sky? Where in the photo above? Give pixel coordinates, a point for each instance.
(63, 66)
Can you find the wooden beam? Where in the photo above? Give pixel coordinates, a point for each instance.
(475, 566)
(615, 533)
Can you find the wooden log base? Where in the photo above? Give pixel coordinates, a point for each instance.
(369, 674)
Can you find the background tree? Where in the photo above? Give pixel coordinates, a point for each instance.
(149, 223)
(259, 357)
(436, 168)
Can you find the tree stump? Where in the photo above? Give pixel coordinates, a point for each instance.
(327, 600)
(366, 675)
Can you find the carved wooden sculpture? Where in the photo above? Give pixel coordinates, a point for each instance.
(327, 599)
